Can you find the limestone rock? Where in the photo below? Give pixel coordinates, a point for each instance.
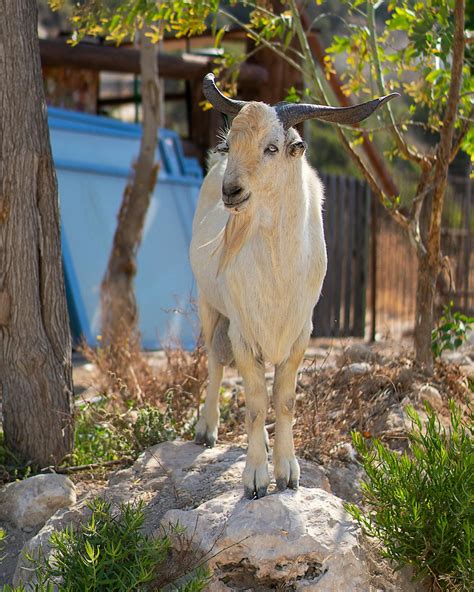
(431, 395)
(458, 357)
(168, 475)
(345, 478)
(303, 538)
(184, 475)
(359, 352)
(29, 503)
(355, 369)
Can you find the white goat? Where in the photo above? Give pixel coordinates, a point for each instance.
(259, 257)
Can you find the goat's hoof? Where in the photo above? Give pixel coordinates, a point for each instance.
(205, 434)
(256, 481)
(251, 494)
(208, 440)
(287, 473)
(282, 483)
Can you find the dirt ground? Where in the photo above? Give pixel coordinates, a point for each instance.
(342, 386)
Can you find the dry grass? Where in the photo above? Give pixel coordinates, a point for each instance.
(128, 379)
(332, 405)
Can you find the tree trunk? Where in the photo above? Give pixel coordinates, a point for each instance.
(119, 309)
(431, 261)
(425, 295)
(35, 343)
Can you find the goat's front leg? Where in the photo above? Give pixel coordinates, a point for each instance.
(256, 478)
(286, 467)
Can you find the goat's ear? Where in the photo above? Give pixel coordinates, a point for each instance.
(297, 149)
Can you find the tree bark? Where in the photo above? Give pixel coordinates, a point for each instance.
(429, 263)
(119, 309)
(35, 343)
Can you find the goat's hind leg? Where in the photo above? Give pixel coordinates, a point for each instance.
(215, 328)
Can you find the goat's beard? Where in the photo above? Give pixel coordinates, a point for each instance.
(235, 232)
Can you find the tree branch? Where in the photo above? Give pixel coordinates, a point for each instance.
(400, 141)
(374, 186)
(461, 135)
(254, 35)
(445, 145)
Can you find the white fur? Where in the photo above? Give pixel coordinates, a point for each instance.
(268, 289)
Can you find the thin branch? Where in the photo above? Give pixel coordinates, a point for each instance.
(254, 35)
(89, 467)
(314, 76)
(400, 218)
(402, 145)
(310, 68)
(444, 148)
(466, 121)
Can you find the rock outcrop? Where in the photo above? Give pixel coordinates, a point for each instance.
(304, 540)
(297, 540)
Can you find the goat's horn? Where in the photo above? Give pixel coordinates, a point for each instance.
(217, 99)
(291, 114)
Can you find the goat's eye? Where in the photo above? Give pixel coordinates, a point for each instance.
(223, 147)
(271, 149)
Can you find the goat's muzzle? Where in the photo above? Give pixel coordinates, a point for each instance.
(233, 195)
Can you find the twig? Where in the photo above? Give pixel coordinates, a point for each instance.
(89, 467)
(402, 146)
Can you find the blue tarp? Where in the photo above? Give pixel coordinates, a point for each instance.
(93, 156)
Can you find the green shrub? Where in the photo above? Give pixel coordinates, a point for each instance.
(100, 436)
(154, 426)
(105, 435)
(110, 553)
(420, 503)
(451, 332)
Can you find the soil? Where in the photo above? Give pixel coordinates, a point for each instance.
(332, 401)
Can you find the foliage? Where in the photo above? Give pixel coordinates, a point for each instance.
(104, 434)
(410, 55)
(100, 435)
(11, 468)
(451, 332)
(421, 502)
(407, 44)
(153, 426)
(118, 20)
(108, 553)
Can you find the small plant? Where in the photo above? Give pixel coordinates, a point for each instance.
(12, 468)
(100, 436)
(154, 426)
(452, 330)
(420, 503)
(110, 553)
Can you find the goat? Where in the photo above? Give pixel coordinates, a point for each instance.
(259, 258)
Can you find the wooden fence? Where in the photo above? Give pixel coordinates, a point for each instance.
(341, 308)
(370, 286)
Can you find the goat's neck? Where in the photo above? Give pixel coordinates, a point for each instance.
(282, 226)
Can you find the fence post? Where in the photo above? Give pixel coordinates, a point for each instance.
(373, 265)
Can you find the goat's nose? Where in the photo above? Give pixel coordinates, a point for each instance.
(231, 193)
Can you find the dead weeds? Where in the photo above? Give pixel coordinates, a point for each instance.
(332, 403)
(131, 378)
